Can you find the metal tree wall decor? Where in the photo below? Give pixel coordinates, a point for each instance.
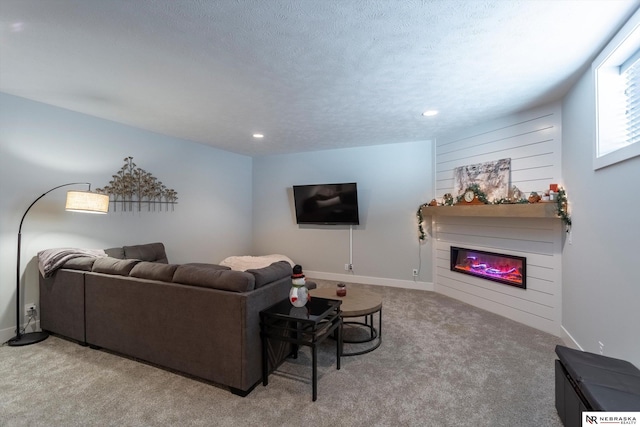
(132, 187)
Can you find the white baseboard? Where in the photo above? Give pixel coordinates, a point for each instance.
(8, 333)
(396, 283)
(565, 336)
(568, 340)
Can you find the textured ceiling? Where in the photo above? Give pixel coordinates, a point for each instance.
(308, 74)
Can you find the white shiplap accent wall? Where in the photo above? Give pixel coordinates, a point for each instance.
(532, 140)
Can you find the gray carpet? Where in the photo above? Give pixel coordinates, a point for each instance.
(441, 363)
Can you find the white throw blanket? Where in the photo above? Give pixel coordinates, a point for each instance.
(50, 260)
(243, 263)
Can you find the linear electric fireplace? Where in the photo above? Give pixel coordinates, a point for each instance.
(507, 269)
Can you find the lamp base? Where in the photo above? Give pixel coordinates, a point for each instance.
(28, 339)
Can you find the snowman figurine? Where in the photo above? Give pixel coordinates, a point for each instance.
(298, 295)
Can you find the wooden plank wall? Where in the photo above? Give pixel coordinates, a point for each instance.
(533, 142)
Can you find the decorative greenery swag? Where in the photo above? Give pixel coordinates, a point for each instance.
(562, 205)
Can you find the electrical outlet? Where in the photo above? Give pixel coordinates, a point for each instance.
(601, 347)
(29, 309)
(347, 267)
(415, 272)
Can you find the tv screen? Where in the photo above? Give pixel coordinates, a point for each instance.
(326, 204)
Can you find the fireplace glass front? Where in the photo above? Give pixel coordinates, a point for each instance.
(507, 269)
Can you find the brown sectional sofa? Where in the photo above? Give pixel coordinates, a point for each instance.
(197, 319)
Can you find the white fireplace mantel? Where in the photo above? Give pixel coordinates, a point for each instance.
(533, 231)
(524, 210)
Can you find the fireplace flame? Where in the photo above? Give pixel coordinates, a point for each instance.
(491, 266)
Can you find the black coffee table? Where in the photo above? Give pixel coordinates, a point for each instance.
(308, 325)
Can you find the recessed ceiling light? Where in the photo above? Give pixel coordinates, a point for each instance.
(258, 135)
(430, 113)
(17, 27)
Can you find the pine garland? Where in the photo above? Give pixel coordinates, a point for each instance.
(508, 201)
(421, 233)
(562, 208)
(562, 205)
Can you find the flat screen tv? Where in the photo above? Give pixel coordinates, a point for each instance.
(332, 204)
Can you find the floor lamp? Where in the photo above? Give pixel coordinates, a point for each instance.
(77, 201)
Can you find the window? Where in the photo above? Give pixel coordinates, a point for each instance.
(616, 74)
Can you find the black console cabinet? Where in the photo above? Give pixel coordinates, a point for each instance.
(569, 403)
(592, 382)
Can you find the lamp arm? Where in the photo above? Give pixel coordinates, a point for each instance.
(18, 332)
(44, 194)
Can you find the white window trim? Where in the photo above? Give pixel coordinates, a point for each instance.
(623, 45)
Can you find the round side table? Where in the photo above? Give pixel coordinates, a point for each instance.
(357, 303)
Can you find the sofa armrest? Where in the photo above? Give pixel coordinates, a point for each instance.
(271, 273)
(62, 304)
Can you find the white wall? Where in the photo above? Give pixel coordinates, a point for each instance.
(393, 180)
(601, 289)
(532, 140)
(43, 146)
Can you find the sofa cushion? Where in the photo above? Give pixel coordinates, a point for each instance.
(153, 252)
(115, 252)
(84, 263)
(273, 272)
(154, 271)
(108, 265)
(209, 266)
(211, 276)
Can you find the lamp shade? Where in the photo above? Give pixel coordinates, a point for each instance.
(87, 202)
